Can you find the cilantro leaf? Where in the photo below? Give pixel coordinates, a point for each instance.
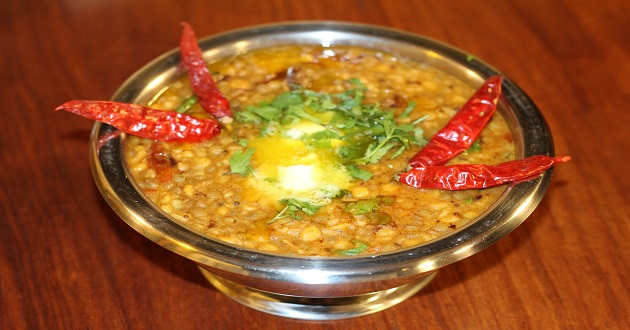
(358, 173)
(369, 131)
(239, 162)
(242, 142)
(248, 117)
(287, 209)
(187, 104)
(363, 206)
(376, 151)
(358, 248)
(476, 146)
(304, 206)
(287, 99)
(292, 206)
(418, 134)
(325, 134)
(349, 153)
(268, 113)
(298, 111)
(357, 83)
(419, 120)
(408, 110)
(398, 152)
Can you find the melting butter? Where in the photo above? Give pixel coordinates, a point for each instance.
(285, 167)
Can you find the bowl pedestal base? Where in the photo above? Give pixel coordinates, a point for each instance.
(306, 308)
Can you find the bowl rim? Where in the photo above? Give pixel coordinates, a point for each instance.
(513, 207)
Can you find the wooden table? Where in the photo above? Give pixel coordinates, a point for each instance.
(67, 261)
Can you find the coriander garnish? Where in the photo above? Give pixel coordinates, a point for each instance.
(363, 206)
(359, 247)
(368, 131)
(187, 104)
(239, 162)
(292, 207)
(358, 173)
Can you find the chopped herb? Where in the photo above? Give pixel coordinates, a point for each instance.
(332, 192)
(376, 151)
(321, 139)
(470, 58)
(368, 132)
(323, 144)
(389, 136)
(287, 99)
(357, 83)
(298, 112)
(269, 128)
(292, 206)
(266, 112)
(358, 248)
(363, 206)
(398, 152)
(287, 209)
(187, 104)
(405, 128)
(304, 206)
(325, 134)
(418, 134)
(419, 120)
(242, 142)
(379, 218)
(408, 110)
(475, 147)
(239, 162)
(350, 152)
(358, 173)
(247, 117)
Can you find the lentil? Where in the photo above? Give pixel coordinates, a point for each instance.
(206, 197)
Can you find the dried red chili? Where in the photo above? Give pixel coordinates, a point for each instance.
(160, 161)
(463, 129)
(103, 139)
(201, 81)
(477, 176)
(145, 122)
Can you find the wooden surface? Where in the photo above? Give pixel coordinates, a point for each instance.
(67, 261)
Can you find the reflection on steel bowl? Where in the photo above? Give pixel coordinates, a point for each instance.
(293, 209)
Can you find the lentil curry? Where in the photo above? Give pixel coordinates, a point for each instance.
(308, 165)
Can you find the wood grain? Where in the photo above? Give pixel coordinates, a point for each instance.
(67, 261)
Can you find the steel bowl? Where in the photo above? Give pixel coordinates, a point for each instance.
(322, 288)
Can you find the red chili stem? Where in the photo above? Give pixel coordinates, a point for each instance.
(145, 122)
(201, 81)
(463, 129)
(477, 176)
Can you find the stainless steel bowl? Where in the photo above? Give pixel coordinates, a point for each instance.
(322, 288)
